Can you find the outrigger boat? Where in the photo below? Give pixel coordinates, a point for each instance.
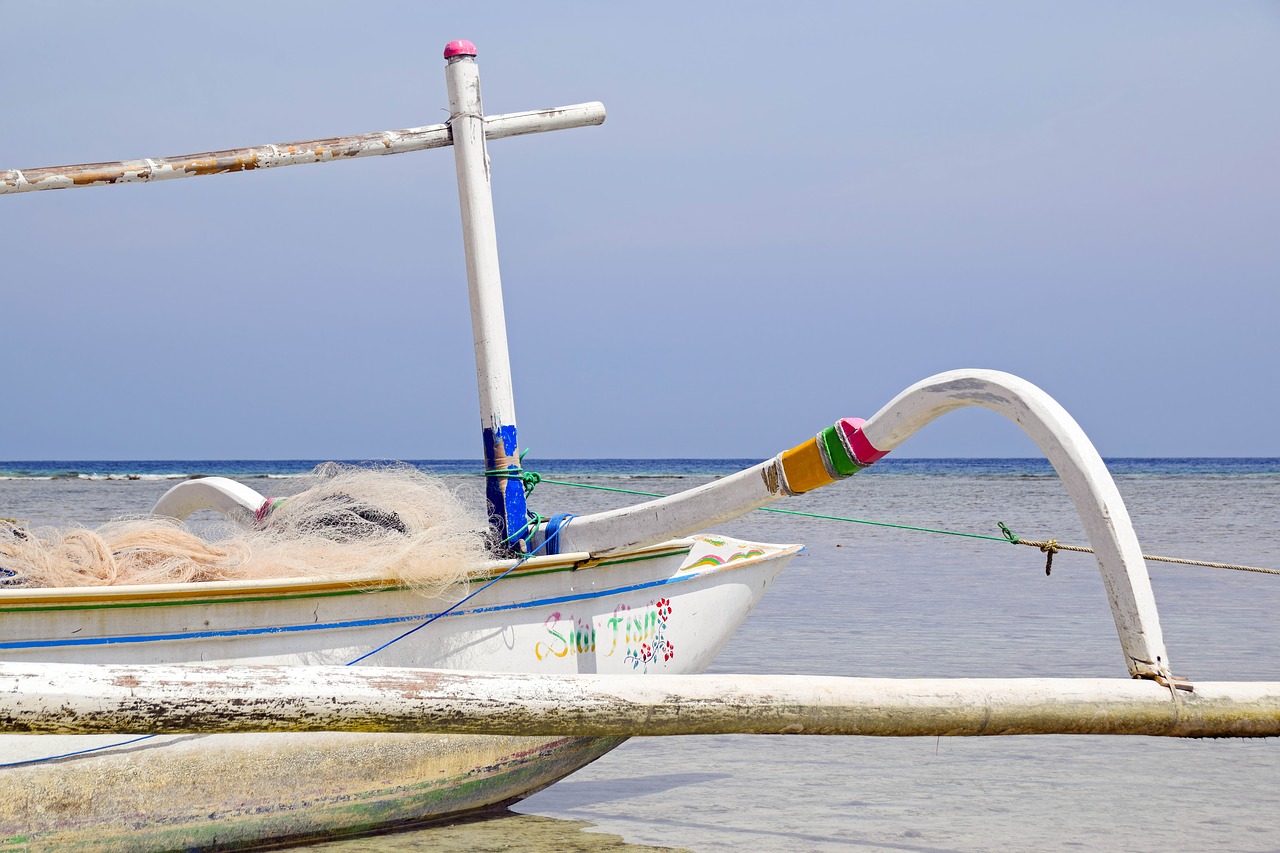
(231, 713)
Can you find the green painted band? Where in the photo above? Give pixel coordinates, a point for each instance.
(840, 459)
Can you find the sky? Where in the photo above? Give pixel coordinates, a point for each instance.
(788, 217)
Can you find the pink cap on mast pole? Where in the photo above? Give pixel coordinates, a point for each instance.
(461, 47)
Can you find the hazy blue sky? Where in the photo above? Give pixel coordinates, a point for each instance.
(788, 217)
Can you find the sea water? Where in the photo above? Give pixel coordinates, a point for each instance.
(865, 600)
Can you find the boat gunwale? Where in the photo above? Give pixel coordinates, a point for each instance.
(21, 600)
(682, 575)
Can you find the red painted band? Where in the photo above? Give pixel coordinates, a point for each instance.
(862, 449)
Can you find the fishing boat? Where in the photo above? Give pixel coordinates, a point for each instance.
(210, 738)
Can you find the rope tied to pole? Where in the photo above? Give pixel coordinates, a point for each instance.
(528, 479)
(1049, 548)
(533, 521)
(1052, 546)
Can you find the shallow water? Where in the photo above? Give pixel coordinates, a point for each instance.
(874, 601)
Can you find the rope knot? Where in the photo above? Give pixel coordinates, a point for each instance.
(529, 479)
(1049, 548)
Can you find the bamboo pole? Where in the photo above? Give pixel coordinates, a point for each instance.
(96, 699)
(382, 142)
(504, 493)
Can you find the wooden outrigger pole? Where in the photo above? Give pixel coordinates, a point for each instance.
(97, 699)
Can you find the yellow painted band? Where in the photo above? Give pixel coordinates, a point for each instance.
(804, 469)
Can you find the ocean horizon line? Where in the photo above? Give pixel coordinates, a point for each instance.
(616, 467)
(373, 459)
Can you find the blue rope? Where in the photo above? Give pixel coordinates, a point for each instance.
(551, 540)
(554, 525)
(77, 752)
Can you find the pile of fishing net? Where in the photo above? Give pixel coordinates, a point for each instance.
(391, 522)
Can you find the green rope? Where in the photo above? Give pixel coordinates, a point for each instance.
(880, 524)
(528, 479)
(533, 521)
(1052, 546)
(761, 509)
(605, 489)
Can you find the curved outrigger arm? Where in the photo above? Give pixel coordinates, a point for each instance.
(234, 500)
(852, 444)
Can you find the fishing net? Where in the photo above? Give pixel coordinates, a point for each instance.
(392, 522)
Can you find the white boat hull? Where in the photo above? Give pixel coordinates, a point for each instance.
(669, 609)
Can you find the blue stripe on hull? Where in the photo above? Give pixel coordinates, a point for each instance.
(330, 626)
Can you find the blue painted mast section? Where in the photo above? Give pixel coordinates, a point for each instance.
(504, 490)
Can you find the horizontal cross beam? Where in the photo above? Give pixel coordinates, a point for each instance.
(290, 153)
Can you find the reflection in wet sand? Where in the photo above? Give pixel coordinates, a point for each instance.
(501, 831)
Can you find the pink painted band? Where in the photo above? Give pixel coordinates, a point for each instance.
(264, 510)
(857, 441)
(462, 47)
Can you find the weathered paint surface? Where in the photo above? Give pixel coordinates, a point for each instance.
(504, 493)
(290, 153)
(198, 793)
(57, 698)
